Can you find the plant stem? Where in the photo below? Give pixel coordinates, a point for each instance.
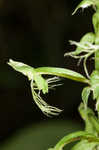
(96, 28)
(97, 52)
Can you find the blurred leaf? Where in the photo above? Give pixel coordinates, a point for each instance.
(40, 136)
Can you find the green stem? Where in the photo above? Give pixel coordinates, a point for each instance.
(97, 61)
(96, 29)
(94, 122)
(97, 52)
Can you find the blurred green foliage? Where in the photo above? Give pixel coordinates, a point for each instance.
(40, 136)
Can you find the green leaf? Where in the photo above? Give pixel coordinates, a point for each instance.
(84, 4)
(81, 135)
(61, 72)
(85, 95)
(85, 145)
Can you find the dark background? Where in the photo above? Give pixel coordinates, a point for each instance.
(37, 33)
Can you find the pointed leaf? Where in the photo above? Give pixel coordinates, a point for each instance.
(61, 72)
